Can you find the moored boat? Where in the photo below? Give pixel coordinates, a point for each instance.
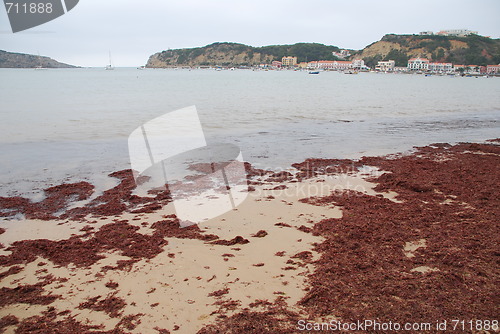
(109, 66)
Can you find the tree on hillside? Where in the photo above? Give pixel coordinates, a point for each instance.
(400, 57)
(372, 61)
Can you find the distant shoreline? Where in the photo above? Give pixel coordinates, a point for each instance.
(261, 70)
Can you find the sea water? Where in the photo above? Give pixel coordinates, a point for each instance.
(66, 125)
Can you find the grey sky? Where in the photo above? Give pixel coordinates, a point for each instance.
(133, 30)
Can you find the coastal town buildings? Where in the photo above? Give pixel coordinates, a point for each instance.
(440, 67)
(320, 64)
(334, 65)
(359, 64)
(469, 69)
(385, 66)
(312, 65)
(418, 64)
(342, 65)
(400, 69)
(289, 61)
(276, 64)
(493, 69)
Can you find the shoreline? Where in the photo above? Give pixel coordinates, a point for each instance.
(402, 242)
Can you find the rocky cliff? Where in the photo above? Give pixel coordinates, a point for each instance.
(234, 54)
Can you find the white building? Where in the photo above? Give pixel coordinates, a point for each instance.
(400, 69)
(313, 65)
(386, 66)
(342, 54)
(336, 65)
(457, 32)
(441, 67)
(358, 64)
(418, 64)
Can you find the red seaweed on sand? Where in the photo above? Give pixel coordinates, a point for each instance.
(114, 201)
(447, 196)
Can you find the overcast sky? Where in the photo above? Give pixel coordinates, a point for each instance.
(133, 30)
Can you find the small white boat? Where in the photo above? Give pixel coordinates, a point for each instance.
(110, 66)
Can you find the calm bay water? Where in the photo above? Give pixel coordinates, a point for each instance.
(73, 124)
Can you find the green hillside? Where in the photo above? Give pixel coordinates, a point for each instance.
(235, 54)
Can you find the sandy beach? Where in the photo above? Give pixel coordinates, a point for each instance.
(408, 238)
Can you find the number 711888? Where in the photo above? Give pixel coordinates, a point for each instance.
(29, 8)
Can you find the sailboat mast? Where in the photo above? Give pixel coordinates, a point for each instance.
(109, 66)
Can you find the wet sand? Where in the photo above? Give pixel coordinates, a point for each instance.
(399, 238)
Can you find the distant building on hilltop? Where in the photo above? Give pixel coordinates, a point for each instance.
(343, 54)
(289, 61)
(450, 32)
(457, 32)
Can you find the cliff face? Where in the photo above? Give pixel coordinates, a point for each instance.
(234, 54)
(473, 49)
(21, 60)
(223, 54)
